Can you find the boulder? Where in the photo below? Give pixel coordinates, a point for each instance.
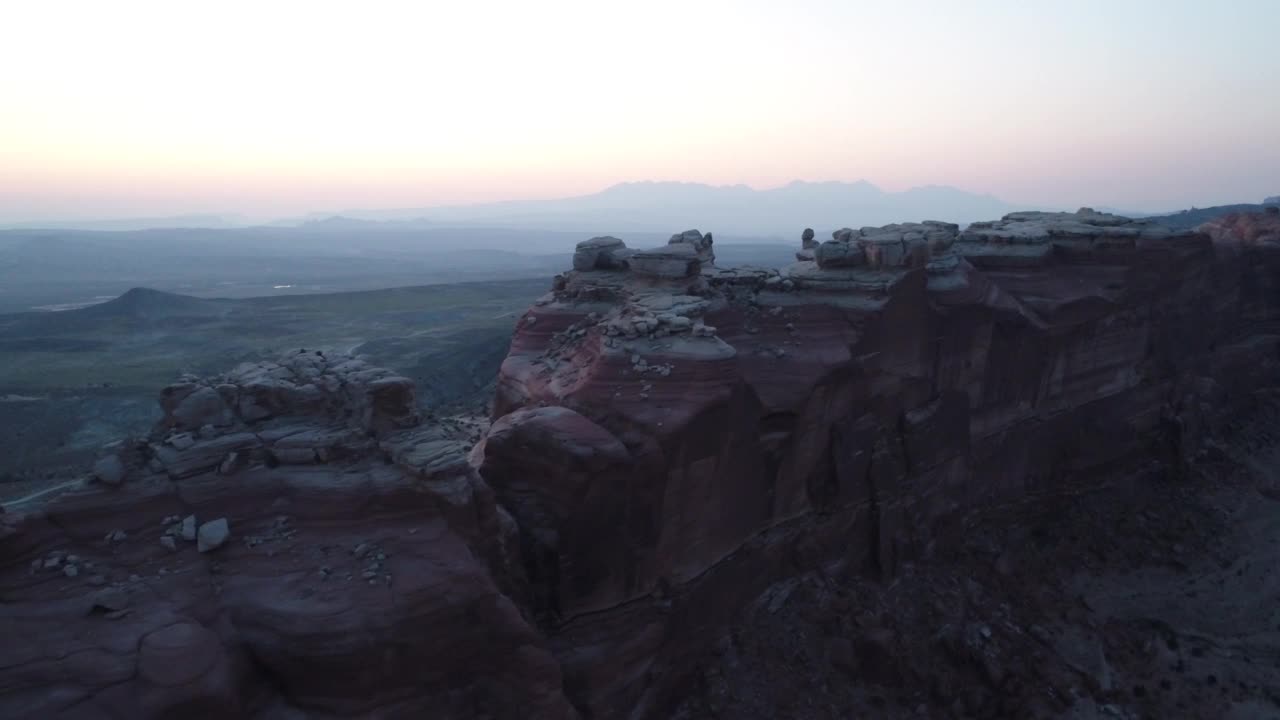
(600, 253)
(109, 470)
(392, 403)
(213, 535)
(188, 528)
(701, 244)
(673, 261)
(840, 254)
(202, 406)
(806, 240)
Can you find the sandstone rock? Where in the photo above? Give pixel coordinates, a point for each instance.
(229, 463)
(183, 441)
(562, 497)
(1244, 230)
(213, 535)
(680, 322)
(110, 470)
(806, 239)
(600, 253)
(110, 600)
(203, 406)
(892, 247)
(699, 243)
(392, 403)
(1078, 231)
(185, 664)
(188, 528)
(251, 411)
(203, 456)
(622, 515)
(885, 253)
(674, 261)
(837, 253)
(844, 396)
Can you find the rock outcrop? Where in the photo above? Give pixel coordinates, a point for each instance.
(601, 253)
(673, 445)
(290, 541)
(892, 246)
(683, 256)
(846, 412)
(301, 383)
(1257, 230)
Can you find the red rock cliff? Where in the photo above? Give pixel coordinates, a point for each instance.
(669, 440)
(700, 433)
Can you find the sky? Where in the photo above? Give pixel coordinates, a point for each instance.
(269, 108)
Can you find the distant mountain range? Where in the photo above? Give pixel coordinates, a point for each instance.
(657, 207)
(735, 209)
(649, 207)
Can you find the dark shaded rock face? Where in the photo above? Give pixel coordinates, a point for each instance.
(848, 414)
(672, 445)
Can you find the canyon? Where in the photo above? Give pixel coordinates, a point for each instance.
(884, 481)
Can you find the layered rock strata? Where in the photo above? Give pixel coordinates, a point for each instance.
(671, 443)
(683, 256)
(704, 436)
(290, 541)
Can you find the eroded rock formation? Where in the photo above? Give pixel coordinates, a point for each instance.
(672, 444)
(846, 413)
(288, 542)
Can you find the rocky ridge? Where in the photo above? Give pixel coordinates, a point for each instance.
(290, 541)
(677, 454)
(846, 415)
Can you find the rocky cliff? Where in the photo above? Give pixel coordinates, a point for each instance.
(673, 447)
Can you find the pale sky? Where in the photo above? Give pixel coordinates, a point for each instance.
(274, 107)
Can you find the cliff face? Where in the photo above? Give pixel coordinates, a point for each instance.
(733, 426)
(669, 442)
